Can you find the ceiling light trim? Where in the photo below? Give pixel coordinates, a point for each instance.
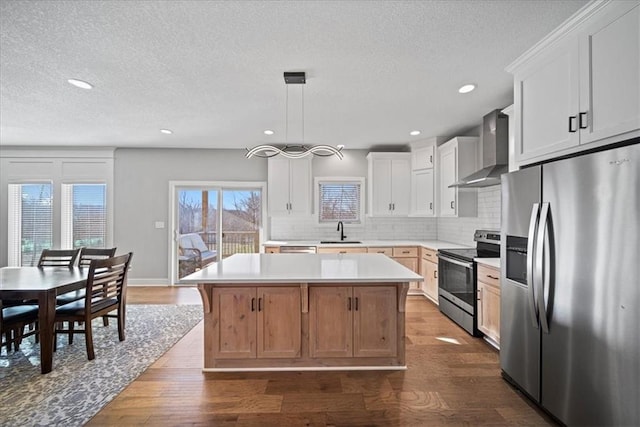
(80, 84)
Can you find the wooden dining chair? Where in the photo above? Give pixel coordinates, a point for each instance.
(105, 292)
(89, 254)
(13, 320)
(86, 256)
(58, 257)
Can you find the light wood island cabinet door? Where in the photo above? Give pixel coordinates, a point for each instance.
(279, 322)
(375, 321)
(234, 337)
(330, 321)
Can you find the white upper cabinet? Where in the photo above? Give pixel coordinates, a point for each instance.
(389, 184)
(610, 79)
(581, 85)
(289, 186)
(457, 158)
(422, 158)
(422, 186)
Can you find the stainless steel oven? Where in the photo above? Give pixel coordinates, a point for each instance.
(458, 281)
(457, 287)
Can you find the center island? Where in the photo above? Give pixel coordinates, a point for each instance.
(303, 312)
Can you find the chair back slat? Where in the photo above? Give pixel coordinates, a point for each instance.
(58, 257)
(89, 254)
(107, 280)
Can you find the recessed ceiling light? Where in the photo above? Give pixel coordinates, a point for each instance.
(81, 84)
(414, 132)
(467, 88)
(268, 132)
(166, 131)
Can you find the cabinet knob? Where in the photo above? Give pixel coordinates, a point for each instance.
(452, 202)
(572, 123)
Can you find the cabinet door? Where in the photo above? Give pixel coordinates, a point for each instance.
(375, 321)
(330, 321)
(235, 320)
(279, 322)
(411, 264)
(300, 185)
(610, 67)
(343, 250)
(422, 193)
(547, 93)
(422, 158)
(448, 175)
(430, 274)
(489, 310)
(278, 186)
(400, 186)
(381, 187)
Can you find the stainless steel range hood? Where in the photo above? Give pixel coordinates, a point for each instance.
(495, 152)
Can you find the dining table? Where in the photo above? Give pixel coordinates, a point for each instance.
(42, 284)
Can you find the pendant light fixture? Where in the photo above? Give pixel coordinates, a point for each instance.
(294, 151)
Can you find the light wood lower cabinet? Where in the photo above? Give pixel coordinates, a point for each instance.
(359, 321)
(343, 250)
(252, 322)
(429, 270)
(489, 302)
(408, 256)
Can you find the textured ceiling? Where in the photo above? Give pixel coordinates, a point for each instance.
(212, 71)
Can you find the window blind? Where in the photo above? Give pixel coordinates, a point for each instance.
(339, 201)
(30, 222)
(84, 215)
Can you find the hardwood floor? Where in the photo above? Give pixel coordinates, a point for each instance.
(452, 379)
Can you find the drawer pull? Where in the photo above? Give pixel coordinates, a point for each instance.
(406, 252)
(492, 277)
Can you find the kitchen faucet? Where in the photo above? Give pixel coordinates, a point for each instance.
(341, 230)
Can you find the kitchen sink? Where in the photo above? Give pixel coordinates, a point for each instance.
(340, 241)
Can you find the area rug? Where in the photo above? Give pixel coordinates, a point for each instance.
(77, 388)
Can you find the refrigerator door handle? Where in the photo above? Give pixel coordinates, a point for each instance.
(533, 222)
(541, 277)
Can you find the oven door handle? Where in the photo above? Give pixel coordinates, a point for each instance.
(468, 265)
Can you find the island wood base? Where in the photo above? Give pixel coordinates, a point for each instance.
(304, 326)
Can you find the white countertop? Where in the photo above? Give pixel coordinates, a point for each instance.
(303, 268)
(431, 244)
(491, 262)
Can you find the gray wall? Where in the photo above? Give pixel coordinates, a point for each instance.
(142, 197)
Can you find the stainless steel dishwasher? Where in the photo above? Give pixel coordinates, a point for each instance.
(297, 249)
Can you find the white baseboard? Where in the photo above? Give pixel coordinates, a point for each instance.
(309, 368)
(148, 282)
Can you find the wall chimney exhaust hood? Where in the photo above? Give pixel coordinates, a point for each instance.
(495, 152)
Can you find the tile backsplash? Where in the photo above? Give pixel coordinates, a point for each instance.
(457, 230)
(307, 228)
(460, 230)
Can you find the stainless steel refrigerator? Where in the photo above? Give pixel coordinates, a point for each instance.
(570, 303)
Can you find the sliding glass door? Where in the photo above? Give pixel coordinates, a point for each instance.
(213, 222)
